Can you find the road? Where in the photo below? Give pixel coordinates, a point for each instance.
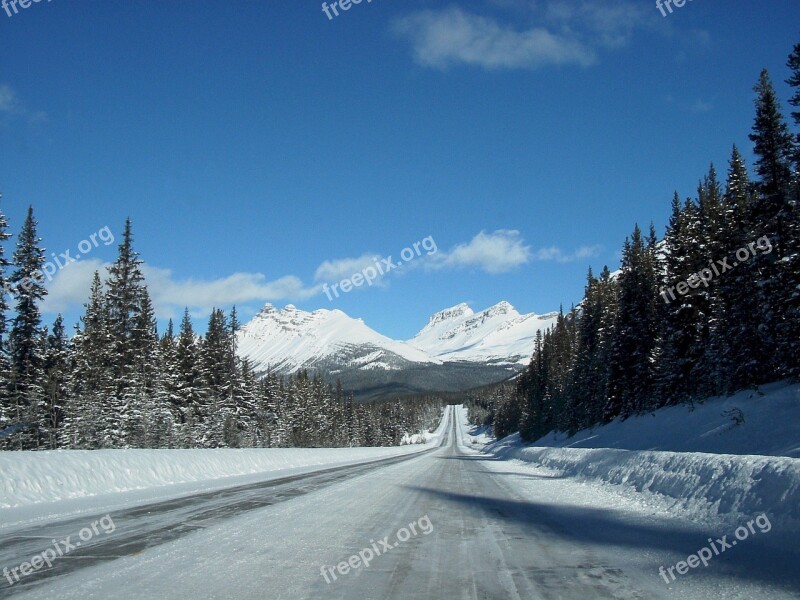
(449, 523)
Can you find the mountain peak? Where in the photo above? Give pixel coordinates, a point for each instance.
(502, 308)
(498, 334)
(454, 312)
(267, 309)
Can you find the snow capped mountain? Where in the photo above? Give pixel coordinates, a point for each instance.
(290, 339)
(457, 349)
(498, 334)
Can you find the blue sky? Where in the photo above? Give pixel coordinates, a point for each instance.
(262, 149)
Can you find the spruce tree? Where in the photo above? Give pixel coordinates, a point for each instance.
(90, 420)
(124, 298)
(636, 331)
(794, 81)
(6, 409)
(191, 393)
(772, 144)
(56, 377)
(27, 361)
(777, 218)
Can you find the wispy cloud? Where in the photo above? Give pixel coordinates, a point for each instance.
(701, 106)
(496, 252)
(553, 253)
(69, 289)
(170, 293)
(341, 268)
(698, 105)
(12, 105)
(504, 250)
(8, 99)
(601, 24)
(557, 32)
(452, 36)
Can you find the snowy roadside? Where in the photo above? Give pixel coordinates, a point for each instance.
(654, 530)
(43, 486)
(720, 490)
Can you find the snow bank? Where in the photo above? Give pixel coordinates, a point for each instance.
(36, 477)
(770, 428)
(724, 487)
(699, 459)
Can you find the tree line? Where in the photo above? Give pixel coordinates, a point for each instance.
(633, 344)
(117, 383)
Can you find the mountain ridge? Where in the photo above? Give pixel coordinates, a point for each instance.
(457, 349)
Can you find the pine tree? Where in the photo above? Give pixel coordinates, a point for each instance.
(124, 298)
(794, 80)
(25, 337)
(776, 218)
(712, 372)
(772, 145)
(636, 332)
(147, 424)
(589, 380)
(91, 413)
(191, 393)
(6, 408)
(739, 292)
(56, 373)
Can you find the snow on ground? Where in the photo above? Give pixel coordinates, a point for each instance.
(516, 524)
(770, 414)
(38, 486)
(716, 482)
(648, 530)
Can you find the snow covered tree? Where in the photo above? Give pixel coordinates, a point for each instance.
(6, 408)
(125, 299)
(27, 361)
(636, 331)
(56, 374)
(91, 414)
(776, 216)
(772, 144)
(794, 81)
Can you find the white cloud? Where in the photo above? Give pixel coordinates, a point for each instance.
(443, 38)
(553, 253)
(341, 268)
(70, 287)
(170, 294)
(554, 32)
(602, 24)
(502, 251)
(496, 252)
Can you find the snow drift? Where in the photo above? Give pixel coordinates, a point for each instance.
(712, 478)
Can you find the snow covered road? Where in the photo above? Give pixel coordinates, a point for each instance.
(452, 523)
